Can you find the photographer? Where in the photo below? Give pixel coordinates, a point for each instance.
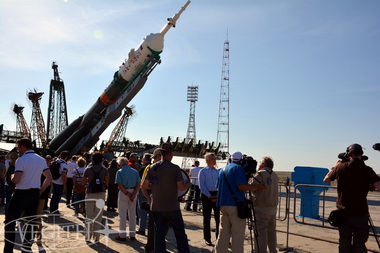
(265, 204)
(232, 177)
(354, 180)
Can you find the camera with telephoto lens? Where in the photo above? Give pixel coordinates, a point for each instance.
(376, 146)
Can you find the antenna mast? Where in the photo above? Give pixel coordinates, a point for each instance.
(223, 134)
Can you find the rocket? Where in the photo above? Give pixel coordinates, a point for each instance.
(127, 82)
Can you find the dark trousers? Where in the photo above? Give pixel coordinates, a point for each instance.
(207, 207)
(112, 194)
(161, 222)
(353, 235)
(8, 195)
(69, 190)
(21, 201)
(194, 193)
(56, 197)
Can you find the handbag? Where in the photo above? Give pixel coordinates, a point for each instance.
(243, 207)
(336, 218)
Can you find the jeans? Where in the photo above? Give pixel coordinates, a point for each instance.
(21, 201)
(207, 207)
(56, 197)
(353, 235)
(79, 200)
(174, 219)
(142, 214)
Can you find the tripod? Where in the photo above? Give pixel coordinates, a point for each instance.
(252, 226)
(373, 230)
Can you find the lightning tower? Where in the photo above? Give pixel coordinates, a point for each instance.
(224, 104)
(192, 97)
(57, 111)
(37, 126)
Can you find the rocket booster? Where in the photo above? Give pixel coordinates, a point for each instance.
(126, 83)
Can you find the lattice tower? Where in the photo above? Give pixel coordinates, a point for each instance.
(224, 103)
(21, 125)
(118, 133)
(37, 126)
(57, 111)
(192, 97)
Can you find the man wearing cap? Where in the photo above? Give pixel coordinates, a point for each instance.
(165, 179)
(231, 224)
(353, 182)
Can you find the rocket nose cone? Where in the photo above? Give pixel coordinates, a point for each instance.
(155, 41)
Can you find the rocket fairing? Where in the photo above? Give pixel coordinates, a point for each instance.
(126, 83)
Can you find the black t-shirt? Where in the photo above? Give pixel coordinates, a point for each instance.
(354, 180)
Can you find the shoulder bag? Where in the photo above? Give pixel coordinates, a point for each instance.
(243, 207)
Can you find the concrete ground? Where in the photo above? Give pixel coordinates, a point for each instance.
(62, 234)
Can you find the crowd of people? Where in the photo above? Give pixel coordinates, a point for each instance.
(145, 195)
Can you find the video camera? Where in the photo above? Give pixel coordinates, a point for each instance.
(352, 149)
(249, 166)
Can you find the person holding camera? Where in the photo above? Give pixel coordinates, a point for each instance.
(231, 224)
(265, 204)
(354, 179)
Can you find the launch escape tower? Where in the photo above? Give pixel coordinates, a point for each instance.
(116, 140)
(57, 111)
(192, 97)
(21, 125)
(37, 126)
(224, 104)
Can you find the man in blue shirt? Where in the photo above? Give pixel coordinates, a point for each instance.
(128, 181)
(208, 177)
(232, 225)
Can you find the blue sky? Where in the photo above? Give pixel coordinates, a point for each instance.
(304, 75)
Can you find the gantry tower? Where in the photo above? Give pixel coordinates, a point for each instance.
(21, 125)
(57, 111)
(115, 142)
(37, 126)
(192, 97)
(224, 104)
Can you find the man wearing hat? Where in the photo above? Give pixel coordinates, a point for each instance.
(354, 178)
(231, 224)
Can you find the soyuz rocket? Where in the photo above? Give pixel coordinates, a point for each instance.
(127, 82)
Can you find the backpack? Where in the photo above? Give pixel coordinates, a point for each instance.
(96, 184)
(78, 187)
(54, 169)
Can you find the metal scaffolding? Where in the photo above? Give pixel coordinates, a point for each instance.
(192, 97)
(224, 104)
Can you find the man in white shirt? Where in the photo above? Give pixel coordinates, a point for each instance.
(27, 177)
(195, 191)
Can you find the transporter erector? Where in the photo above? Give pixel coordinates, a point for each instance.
(127, 82)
